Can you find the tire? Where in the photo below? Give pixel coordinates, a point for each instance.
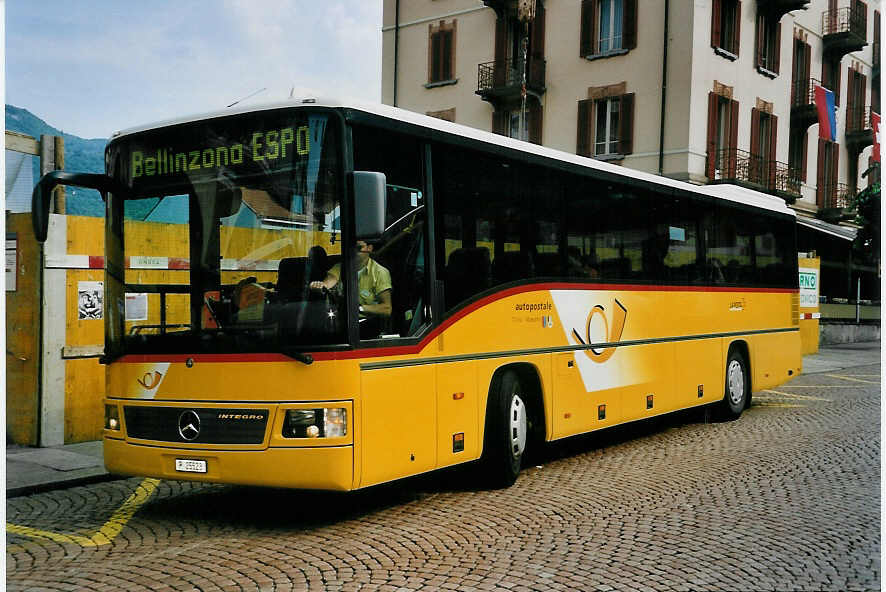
(737, 388)
(507, 429)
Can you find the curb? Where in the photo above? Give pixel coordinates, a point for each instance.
(25, 490)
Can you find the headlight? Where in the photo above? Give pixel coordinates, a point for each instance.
(112, 417)
(315, 423)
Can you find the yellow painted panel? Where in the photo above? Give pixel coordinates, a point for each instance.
(699, 363)
(457, 412)
(85, 235)
(774, 357)
(399, 414)
(23, 335)
(84, 396)
(85, 331)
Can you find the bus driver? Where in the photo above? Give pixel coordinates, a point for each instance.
(373, 280)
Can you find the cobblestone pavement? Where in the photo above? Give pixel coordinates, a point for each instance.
(786, 498)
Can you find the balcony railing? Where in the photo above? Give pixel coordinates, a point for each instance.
(844, 30)
(858, 119)
(505, 77)
(844, 20)
(803, 92)
(838, 196)
(771, 176)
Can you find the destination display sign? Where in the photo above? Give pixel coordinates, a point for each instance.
(263, 145)
(229, 147)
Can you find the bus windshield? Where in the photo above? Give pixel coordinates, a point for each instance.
(226, 224)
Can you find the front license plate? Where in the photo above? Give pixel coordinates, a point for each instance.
(186, 465)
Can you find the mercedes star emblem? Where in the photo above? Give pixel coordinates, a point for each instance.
(189, 425)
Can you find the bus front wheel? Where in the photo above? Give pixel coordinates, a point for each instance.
(738, 386)
(506, 430)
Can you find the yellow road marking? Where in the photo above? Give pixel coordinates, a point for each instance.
(104, 535)
(837, 386)
(849, 378)
(796, 396)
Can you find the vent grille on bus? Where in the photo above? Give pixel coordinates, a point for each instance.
(795, 309)
(196, 426)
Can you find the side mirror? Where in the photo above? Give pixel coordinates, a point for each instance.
(42, 195)
(369, 204)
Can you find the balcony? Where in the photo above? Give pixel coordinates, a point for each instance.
(502, 80)
(778, 8)
(843, 31)
(752, 171)
(859, 128)
(803, 111)
(839, 203)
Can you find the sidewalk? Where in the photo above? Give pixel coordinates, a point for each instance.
(33, 470)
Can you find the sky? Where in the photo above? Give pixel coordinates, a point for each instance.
(93, 67)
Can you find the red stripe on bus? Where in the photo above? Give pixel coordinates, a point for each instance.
(403, 350)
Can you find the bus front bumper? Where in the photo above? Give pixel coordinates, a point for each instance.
(329, 468)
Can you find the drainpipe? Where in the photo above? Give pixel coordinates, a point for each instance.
(396, 47)
(664, 90)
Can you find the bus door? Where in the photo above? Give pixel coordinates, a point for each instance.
(398, 392)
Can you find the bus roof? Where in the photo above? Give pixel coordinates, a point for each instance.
(724, 191)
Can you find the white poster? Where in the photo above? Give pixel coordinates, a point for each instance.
(90, 300)
(136, 307)
(11, 263)
(808, 287)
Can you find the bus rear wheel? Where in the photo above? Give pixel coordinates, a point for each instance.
(507, 428)
(738, 386)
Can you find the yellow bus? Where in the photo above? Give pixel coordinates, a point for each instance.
(322, 295)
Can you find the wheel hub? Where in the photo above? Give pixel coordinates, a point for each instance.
(518, 427)
(735, 377)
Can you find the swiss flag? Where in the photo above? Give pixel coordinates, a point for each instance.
(875, 125)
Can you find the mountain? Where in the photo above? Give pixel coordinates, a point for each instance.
(81, 155)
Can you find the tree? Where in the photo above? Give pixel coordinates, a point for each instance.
(867, 215)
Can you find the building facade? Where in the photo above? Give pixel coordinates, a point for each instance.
(706, 91)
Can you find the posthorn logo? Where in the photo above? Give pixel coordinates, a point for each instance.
(150, 380)
(598, 330)
(189, 425)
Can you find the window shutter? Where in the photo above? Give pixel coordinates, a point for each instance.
(736, 43)
(434, 74)
(733, 139)
(535, 121)
(807, 66)
(805, 156)
(819, 174)
(761, 40)
(446, 55)
(755, 132)
(500, 122)
(537, 38)
(629, 24)
(500, 68)
(583, 144)
(776, 67)
(626, 125)
(716, 33)
(838, 83)
(773, 144)
(835, 167)
(588, 14)
(713, 99)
